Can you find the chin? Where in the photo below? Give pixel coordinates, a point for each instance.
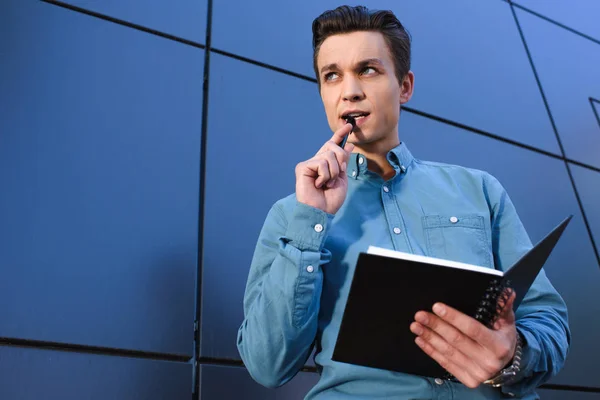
(360, 141)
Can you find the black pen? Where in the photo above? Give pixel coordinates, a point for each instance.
(353, 122)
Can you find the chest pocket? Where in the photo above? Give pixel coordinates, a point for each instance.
(458, 238)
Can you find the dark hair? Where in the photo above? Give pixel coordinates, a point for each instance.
(346, 19)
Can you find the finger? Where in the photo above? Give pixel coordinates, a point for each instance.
(334, 166)
(317, 168)
(440, 344)
(450, 340)
(349, 147)
(459, 373)
(340, 133)
(341, 155)
(507, 316)
(469, 326)
(492, 348)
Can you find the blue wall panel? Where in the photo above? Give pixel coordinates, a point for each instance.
(231, 383)
(567, 65)
(588, 187)
(546, 394)
(468, 58)
(100, 132)
(581, 15)
(99, 157)
(33, 374)
(541, 191)
(183, 18)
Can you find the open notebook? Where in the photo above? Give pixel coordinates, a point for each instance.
(389, 287)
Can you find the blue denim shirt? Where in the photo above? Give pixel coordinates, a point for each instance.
(304, 262)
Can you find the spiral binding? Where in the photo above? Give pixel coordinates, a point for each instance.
(493, 302)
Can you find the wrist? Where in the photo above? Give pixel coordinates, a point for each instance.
(509, 373)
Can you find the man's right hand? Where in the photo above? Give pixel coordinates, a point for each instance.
(321, 182)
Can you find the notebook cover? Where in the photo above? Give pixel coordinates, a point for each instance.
(384, 297)
(523, 272)
(386, 293)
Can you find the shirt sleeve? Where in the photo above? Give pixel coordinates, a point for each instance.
(542, 316)
(282, 297)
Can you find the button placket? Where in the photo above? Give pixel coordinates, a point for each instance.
(393, 217)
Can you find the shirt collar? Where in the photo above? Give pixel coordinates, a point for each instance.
(399, 157)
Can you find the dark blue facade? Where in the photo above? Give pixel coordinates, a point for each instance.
(135, 162)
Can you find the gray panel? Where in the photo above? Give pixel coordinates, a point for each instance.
(231, 383)
(254, 141)
(99, 156)
(468, 58)
(32, 374)
(541, 190)
(182, 18)
(588, 186)
(569, 77)
(547, 394)
(581, 15)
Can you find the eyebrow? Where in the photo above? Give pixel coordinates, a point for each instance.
(361, 64)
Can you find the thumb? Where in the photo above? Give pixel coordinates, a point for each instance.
(507, 316)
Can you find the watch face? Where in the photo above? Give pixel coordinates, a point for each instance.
(504, 376)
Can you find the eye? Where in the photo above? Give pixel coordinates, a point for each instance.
(368, 71)
(330, 76)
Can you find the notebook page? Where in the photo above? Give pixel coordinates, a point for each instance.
(430, 260)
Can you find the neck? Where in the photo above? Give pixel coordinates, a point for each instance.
(376, 155)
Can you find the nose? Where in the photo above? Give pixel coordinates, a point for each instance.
(352, 90)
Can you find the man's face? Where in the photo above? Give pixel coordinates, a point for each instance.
(357, 75)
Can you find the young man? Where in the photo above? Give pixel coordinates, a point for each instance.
(374, 192)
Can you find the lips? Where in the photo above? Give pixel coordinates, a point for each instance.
(359, 117)
(355, 114)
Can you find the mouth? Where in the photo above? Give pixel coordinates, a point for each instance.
(355, 118)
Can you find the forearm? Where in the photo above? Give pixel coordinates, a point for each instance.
(542, 316)
(281, 304)
(543, 324)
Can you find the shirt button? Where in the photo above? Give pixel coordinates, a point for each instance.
(319, 228)
(310, 269)
(386, 189)
(397, 231)
(353, 173)
(453, 220)
(361, 160)
(439, 381)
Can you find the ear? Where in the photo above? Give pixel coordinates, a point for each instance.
(406, 89)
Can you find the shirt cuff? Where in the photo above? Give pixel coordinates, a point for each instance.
(308, 227)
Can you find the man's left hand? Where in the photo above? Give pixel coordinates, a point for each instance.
(463, 346)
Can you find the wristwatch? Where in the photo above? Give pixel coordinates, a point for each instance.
(508, 374)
